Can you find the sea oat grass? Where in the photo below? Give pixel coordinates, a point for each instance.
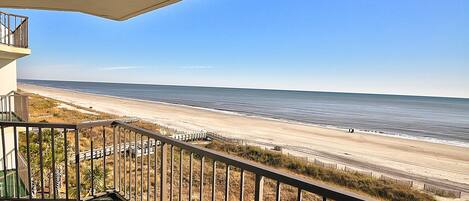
(362, 183)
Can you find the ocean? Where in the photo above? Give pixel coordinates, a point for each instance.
(435, 119)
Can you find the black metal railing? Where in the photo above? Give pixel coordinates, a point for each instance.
(139, 165)
(14, 107)
(13, 30)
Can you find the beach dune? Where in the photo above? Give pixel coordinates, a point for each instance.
(424, 162)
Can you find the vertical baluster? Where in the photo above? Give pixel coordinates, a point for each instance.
(125, 164)
(148, 168)
(15, 139)
(28, 153)
(190, 176)
(118, 152)
(13, 42)
(92, 163)
(4, 33)
(171, 175)
(9, 104)
(114, 152)
(241, 186)
(14, 39)
(128, 155)
(54, 176)
(77, 164)
(227, 183)
(141, 167)
(66, 162)
(163, 175)
(104, 158)
(41, 163)
(9, 35)
(181, 158)
(202, 162)
(299, 197)
(130, 165)
(135, 170)
(259, 188)
(130, 152)
(4, 164)
(277, 191)
(155, 194)
(27, 36)
(214, 180)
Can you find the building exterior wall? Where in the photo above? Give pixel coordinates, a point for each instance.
(7, 76)
(7, 84)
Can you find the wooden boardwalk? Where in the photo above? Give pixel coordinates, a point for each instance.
(139, 148)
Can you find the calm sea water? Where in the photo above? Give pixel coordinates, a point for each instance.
(444, 120)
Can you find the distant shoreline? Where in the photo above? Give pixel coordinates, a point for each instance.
(336, 127)
(248, 88)
(411, 159)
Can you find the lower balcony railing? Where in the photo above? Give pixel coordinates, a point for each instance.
(13, 30)
(43, 161)
(14, 107)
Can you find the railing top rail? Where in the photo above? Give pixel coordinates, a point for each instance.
(37, 125)
(11, 14)
(10, 93)
(307, 185)
(14, 94)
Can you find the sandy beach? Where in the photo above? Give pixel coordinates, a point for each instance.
(439, 164)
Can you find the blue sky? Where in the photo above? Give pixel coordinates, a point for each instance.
(418, 47)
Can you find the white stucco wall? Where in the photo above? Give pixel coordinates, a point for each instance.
(7, 84)
(7, 76)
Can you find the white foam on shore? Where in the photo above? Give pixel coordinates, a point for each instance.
(358, 131)
(419, 138)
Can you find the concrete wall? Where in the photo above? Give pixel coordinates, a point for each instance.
(7, 76)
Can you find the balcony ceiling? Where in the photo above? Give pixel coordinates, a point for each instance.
(111, 9)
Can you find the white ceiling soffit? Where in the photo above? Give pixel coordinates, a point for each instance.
(111, 9)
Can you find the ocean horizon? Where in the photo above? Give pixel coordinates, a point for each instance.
(435, 119)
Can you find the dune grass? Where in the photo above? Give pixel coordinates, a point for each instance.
(372, 186)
